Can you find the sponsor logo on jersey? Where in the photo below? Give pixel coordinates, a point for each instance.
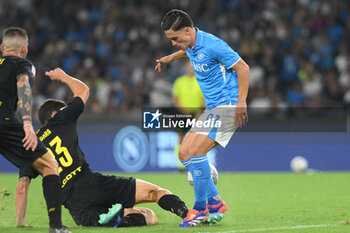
(70, 176)
(200, 67)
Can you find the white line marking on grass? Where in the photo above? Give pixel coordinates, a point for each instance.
(277, 228)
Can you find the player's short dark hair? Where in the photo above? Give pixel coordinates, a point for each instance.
(47, 108)
(15, 31)
(176, 20)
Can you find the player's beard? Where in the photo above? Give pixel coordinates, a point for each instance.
(182, 46)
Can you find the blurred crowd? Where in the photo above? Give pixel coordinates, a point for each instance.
(298, 51)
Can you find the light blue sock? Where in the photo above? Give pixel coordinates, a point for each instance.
(213, 193)
(201, 171)
(188, 164)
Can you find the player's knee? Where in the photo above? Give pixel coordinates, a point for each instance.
(48, 167)
(183, 153)
(194, 150)
(151, 218)
(53, 164)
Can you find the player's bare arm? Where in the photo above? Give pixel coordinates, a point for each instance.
(25, 109)
(164, 61)
(242, 69)
(21, 200)
(78, 88)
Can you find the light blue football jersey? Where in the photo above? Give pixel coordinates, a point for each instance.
(211, 59)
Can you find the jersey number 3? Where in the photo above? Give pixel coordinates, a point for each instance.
(65, 160)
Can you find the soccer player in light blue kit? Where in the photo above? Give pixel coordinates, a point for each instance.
(224, 80)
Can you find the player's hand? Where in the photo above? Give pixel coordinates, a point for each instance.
(241, 116)
(30, 141)
(56, 74)
(162, 63)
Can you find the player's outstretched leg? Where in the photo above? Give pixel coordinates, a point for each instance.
(48, 167)
(147, 192)
(191, 148)
(201, 177)
(216, 205)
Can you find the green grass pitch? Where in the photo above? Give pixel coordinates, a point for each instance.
(258, 202)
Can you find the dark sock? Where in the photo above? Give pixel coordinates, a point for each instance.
(52, 194)
(173, 204)
(133, 220)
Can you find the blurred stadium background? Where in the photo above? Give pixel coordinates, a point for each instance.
(298, 52)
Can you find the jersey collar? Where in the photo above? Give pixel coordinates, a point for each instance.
(199, 38)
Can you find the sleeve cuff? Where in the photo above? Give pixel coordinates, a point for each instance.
(230, 67)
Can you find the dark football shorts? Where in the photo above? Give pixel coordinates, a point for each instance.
(11, 145)
(28, 172)
(94, 193)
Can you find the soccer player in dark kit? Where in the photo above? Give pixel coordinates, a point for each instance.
(92, 199)
(18, 142)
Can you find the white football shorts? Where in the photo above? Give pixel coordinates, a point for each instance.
(221, 133)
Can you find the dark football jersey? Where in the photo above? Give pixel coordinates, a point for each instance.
(10, 68)
(61, 139)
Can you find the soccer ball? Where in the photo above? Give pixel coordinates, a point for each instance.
(214, 175)
(298, 164)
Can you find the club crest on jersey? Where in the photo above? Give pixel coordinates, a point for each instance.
(200, 56)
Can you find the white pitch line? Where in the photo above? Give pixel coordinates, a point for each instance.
(276, 228)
